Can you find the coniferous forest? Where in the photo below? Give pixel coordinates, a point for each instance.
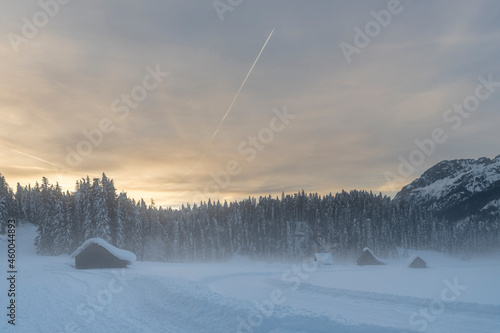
(289, 227)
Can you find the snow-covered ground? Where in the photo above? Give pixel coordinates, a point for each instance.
(246, 296)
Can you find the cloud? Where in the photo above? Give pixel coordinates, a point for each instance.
(352, 120)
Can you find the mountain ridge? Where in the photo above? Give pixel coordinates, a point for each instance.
(457, 189)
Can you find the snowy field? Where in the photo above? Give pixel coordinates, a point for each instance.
(245, 296)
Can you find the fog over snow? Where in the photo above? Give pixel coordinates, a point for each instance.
(252, 296)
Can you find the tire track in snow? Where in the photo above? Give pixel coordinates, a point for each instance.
(489, 309)
(377, 307)
(186, 306)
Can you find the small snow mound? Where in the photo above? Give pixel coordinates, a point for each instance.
(324, 258)
(119, 253)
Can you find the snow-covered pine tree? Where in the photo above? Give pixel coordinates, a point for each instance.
(86, 197)
(124, 213)
(60, 226)
(43, 241)
(110, 198)
(4, 213)
(100, 213)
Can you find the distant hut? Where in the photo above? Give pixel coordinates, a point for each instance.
(368, 258)
(417, 262)
(323, 258)
(97, 253)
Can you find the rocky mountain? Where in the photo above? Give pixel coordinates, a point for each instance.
(458, 189)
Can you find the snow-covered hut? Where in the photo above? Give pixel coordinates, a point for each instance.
(368, 258)
(416, 262)
(97, 253)
(323, 258)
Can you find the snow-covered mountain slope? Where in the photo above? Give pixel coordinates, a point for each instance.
(459, 188)
(257, 297)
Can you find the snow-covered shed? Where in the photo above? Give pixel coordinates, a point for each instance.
(323, 258)
(97, 253)
(368, 258)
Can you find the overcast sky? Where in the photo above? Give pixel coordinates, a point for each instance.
(325, 107)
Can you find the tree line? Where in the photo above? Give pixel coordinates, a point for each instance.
(289, 227)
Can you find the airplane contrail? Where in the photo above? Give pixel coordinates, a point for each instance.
(241, 87)
(36, 158)
(231, 105)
